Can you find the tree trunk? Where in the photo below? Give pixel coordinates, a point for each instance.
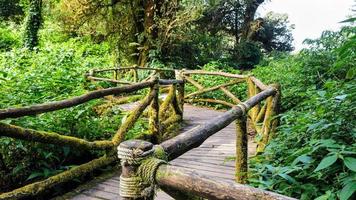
(32, 24)
(251, 8)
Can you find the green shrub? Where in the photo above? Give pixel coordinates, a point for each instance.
(246, 54)
(8, 38)
(314, 154)
(54, 72)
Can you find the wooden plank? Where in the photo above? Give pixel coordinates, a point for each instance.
(100, 194)
(208, 166)
(84, 197)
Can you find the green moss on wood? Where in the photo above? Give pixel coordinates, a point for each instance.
(38, 187)
(241, 151)
(154, 124)
(167, 102)
(132, 118)
(50, 138)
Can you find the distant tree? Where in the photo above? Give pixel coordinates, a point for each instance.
(33, 23)
(234, 17)
(138, 28)
(275, 32)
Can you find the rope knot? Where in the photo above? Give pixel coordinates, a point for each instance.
(141, 182)
(132, 156)
(243, 107)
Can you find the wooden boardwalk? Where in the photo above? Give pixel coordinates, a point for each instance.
(212, 158)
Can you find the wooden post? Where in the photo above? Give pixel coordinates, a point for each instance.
(129, 152)
(114, 74)
(154, 124)
(180, 96)
(241, 150)
(135, 75)
(180, 89)
(252, 91)
(275, 110)
(266, 127)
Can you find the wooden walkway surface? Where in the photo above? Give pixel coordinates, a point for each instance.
(211, 158)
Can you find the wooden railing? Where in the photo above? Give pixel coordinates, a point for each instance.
(145, 165)
(162, 117)
(140, 160)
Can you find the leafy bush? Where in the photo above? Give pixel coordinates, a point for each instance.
(246, 54)
(8, 38)
(54, 72)
(313, 154)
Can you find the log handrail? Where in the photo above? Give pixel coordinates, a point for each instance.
(58, 105)
(51, 138)
(108, 146)
(159, 124)
(194, 137)
(177, 178)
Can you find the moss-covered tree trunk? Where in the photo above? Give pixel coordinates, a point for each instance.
(32, 24)
(150, 30)
(251, 8)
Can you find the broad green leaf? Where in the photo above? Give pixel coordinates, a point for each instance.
(350, 163)
(288, 178)
(34, 175)
(326, 162)
(350, 73)
(347, 191)
(303, 158)
(325, 196)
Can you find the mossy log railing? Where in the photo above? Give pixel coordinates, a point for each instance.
(148, 166)
(159, 123)
(259, 111)
(261, 118)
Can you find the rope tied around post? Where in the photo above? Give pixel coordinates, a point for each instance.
(132, 156)
(243, 108)
(138, 180)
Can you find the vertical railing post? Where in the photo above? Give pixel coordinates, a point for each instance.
(180, 76)
(270, 121)
(135, 74)
(131, 153)
(241, 151)
(154, 123)
(275, 110)
(252, 91)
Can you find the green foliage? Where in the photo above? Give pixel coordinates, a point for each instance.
(8, 37)
(247, 54)
(313, 154)
(194, 50)
(208, 81)
(275, 33)
(54, 72)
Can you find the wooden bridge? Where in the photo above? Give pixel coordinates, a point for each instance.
(199, 154)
